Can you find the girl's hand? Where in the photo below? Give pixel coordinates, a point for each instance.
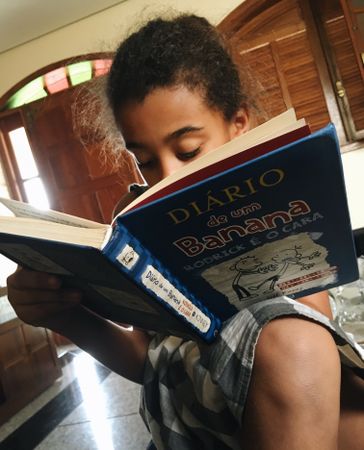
(39, 299)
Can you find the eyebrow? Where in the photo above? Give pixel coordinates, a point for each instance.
(184, 130)
(174, 135)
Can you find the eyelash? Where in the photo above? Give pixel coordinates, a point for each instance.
(182, 156)
(189, 155)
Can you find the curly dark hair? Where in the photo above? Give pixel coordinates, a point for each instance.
(186, 50)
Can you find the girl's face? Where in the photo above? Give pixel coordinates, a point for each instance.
(173, 126)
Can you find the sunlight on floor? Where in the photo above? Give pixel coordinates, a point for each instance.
(94, 401)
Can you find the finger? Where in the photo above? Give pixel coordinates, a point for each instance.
(30, 279)
(43, 314)
(42, 297)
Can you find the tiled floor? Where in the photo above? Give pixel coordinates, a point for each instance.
(88, 408)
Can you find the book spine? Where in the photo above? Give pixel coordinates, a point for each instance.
(134, 260)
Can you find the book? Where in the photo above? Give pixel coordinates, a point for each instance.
(264, 215)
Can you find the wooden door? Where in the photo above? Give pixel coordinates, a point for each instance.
(274, 43)
(345, 69)
(76, 178)
(280, 42)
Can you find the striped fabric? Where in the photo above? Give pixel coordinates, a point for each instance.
(193, 396)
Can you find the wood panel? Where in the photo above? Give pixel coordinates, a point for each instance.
(284, 43)
(271, 94)
(302, 78)
(28, 365)
(348, 69)
(275, 47)
(77, 179)
(354, 17)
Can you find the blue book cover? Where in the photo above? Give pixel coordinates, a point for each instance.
(277, 225)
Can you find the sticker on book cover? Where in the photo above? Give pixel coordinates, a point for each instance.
(29, 257)
(128, 257)
(157, 283)
(284, 267)
(125, 299)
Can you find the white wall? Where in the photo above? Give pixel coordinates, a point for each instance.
(354, 178)
(102, 32)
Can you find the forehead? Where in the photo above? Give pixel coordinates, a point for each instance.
(165, 110)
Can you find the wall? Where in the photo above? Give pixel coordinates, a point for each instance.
(354, 177)
(102, 32)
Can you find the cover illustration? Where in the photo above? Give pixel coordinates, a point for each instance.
(275, 226)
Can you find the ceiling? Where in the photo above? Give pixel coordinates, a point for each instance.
(24, 20)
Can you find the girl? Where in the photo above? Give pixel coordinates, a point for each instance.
(176, 94)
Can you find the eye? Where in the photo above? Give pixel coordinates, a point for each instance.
(185, 156)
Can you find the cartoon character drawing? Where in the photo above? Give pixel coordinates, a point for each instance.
(283, 259)
(128, 257)
(278, 264)
(282, 267)
(247, 265)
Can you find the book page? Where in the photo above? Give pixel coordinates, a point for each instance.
(54, 231)
(20, 209)
(284, 123)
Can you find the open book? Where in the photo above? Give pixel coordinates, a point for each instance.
(262, 216)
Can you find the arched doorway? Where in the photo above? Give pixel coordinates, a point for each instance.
(75, 180)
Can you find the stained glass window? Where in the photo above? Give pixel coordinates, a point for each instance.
(58, 80)
(28, 93)
(80, 72)
(101, 66)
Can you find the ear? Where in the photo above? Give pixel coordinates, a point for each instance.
(240, 122)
